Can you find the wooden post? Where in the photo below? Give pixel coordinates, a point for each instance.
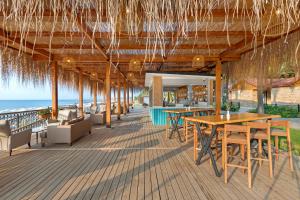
(119, 97)
(114, 94)
(132, 98)
(95, 88)
(210, 89)
(124, 102)
(80, 88)
(108, 95)
(54, 89)
(128, 106)
(218, 86)
(157, 91)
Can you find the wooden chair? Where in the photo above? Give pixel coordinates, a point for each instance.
(167, 127)
(282, 129)
(217, 140)
(261, 131)
(237, 134)
(187, 126)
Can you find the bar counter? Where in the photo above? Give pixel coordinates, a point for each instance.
(158, 116)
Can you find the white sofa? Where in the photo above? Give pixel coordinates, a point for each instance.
(10, 140)
(97, 115)
(68, 132)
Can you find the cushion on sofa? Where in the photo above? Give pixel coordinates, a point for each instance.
(73, 114)
(64, 122)
(4, 128)
(73, 121)
(93, 109)
(64, 115)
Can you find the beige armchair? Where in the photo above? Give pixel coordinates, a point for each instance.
(10, 140)
(96, 116)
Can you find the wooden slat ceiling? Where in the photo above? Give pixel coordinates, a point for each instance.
(83, 49)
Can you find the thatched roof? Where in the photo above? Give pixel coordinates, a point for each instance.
(162, 35)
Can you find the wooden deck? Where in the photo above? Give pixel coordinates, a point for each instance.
(133, 160)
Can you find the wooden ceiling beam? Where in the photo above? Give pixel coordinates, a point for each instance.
(82, 58)
(106, 35)
(132, 46)
(23, 46)
(203, 14)
(89, 34)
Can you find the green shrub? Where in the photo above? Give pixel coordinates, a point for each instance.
(232, 106)
(283, 111)
(44, 112)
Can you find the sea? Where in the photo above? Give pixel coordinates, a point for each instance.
(22, 105)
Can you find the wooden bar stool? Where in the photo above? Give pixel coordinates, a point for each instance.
(167, 127)
(261, 131)
(240, 135)
(187, 126)
(282, 129)
(217, 140)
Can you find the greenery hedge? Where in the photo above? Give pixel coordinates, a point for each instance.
(233, 107)
(283, 111)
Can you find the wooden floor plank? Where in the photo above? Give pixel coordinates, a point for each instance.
(133, 160)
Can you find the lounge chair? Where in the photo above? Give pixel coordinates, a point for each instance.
(11, 139)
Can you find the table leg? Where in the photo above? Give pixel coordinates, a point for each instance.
(37, 137)
(206, 147)
(174, 126)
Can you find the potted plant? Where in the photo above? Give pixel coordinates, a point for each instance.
(44, 114)
(227, 106)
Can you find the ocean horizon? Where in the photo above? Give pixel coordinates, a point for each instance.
(20, 105)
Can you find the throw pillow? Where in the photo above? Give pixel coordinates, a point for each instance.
(4, 128)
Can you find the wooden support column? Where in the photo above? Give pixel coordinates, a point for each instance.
(128, 106)
(95, 88)
(119, 97)
(157, 91)
(54, 89)
(80, 90)
(108, 95)
(124, 102)
(218, 86)
(132, 97)
(210, 88)
(114, 94)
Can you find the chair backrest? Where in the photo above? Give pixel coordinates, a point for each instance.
(229, 128)
(266, 126)
(259, 125)
(5, 130)
(64, 115)
(93, 109)
(280, 123)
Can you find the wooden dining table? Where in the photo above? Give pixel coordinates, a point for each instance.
(174, 116)
(219, 120)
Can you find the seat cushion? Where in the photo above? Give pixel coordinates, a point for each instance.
(73, 121)
(207, 130)
(278, 132)
(237, 138)
(4, 128)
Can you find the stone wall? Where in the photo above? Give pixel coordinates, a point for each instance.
(280, 96)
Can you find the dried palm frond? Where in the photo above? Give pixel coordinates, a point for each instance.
(276, 60)
(154, 17)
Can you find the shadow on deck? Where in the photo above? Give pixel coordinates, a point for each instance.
(133, 160)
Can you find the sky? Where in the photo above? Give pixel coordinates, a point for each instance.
(16, 91)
